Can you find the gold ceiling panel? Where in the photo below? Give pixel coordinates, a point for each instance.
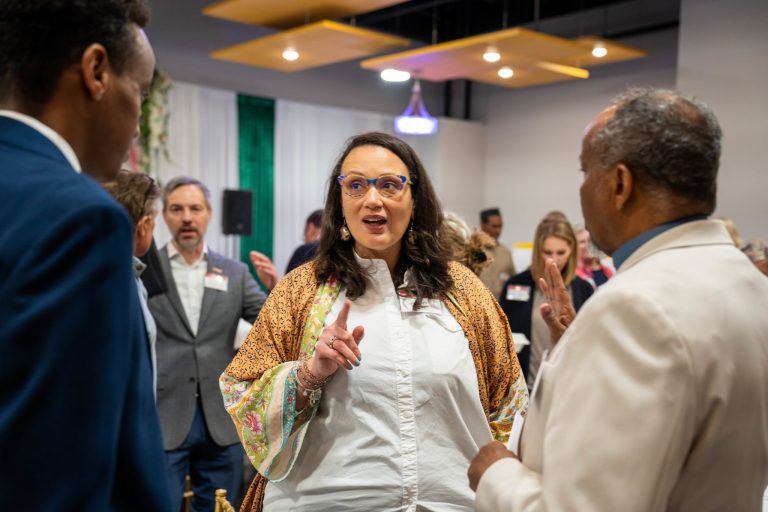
(463, 58)
(318, 44)
(527, 74)
(291, 13)
(534, 58)
(616, 52)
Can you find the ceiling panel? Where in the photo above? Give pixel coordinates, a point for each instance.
(616, 52)
(534, 57)
(291, 13)
(463, 58)
(318, 44)
(528, 74)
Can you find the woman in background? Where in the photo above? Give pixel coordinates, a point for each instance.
(521, 297)
(376, 371)
(589, 267)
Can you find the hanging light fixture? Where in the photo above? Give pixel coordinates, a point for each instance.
(415, 120)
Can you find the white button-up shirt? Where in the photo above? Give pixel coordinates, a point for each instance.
(396, 433)
(190, 280)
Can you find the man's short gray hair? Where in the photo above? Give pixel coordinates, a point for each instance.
(669, 141)
(180, 181)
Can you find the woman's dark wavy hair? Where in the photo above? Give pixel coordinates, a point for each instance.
(427, 257)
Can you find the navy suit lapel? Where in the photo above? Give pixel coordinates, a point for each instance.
(173, 293)
(17, 134)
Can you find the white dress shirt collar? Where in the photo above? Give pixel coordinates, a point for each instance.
(49, 133)
(174, 253)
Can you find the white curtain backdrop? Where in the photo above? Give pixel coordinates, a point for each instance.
(202, 142)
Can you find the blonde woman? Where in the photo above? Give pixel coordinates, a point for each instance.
(521, 298)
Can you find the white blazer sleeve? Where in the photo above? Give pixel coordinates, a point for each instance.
(615, 417)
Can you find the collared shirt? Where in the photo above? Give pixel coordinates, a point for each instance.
(49, 133)
(623, 253)
(149, 321)
(501, 268)
(398, 432)
(190, 280)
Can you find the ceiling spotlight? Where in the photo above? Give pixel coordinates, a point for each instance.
(599, 52)
(506, 72)
(395, 75)
(290, 54)
(491, 55)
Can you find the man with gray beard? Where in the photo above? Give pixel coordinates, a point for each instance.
(197, 318)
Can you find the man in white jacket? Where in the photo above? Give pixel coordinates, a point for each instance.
(656, 396)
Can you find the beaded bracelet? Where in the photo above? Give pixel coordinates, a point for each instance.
(305, 375)
(313, 394)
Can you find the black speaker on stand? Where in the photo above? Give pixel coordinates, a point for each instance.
(236, 208)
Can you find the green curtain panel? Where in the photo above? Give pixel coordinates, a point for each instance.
(256, 138)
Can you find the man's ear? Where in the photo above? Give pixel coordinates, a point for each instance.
(623, 186)
(142, 226)
(95, 69)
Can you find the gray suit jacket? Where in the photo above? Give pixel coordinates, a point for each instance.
(186, 361)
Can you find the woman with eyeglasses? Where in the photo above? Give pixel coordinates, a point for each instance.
(375, 372)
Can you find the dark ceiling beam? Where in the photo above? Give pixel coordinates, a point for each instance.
(401, 10)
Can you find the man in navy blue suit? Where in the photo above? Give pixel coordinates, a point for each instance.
(78, 425)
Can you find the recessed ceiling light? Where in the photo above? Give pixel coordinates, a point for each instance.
(290, 54)
(599, 52)
(394, 75)
(506, 72)
(491, 55)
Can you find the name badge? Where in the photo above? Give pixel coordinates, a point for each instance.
(518, 292)
(216, 281)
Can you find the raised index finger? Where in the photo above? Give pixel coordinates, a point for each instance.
(341, 320)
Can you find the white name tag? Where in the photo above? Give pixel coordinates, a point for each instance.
(518, 292)
(216, 281)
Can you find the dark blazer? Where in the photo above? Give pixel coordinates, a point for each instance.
(78, 425)
(186, 361)
(301, 255)
(519, 312)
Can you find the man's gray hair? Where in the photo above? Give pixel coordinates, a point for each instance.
(669, 141)
(180, 181)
